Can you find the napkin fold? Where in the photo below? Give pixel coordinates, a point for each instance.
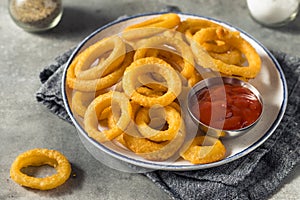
(254, 176)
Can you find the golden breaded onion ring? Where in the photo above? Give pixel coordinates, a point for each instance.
(39, 157)
(179, 45)
(237, 42)
(151, 27)
(97, 106)
(204, 149)
(157, 151)
(81, 100)
(172, 118)
(146, 148)
(177, 62)
(168, 20)
(195, 24)
(149, 65)
(190, 26)
(98, 83)
(114, 45)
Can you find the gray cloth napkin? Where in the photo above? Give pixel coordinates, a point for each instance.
(254, 176)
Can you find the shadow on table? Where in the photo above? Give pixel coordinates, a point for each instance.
(293, 27)
(73, 183)
(78, 22)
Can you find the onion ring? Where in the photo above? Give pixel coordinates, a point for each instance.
(178, 63)
(146, 65)
(151, 26)
(151, 150)
(90, 54)
(96, 108)
(39, 157)
(168, 21)
(190, 26)
(81, 100)
(172, 118)
(175, 60)
(157, 151)
(99, 83)
(200, 153)
(160, 42)
(237, 42)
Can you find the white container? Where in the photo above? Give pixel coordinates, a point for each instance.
(273, 13)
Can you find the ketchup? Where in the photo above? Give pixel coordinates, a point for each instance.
(233, 109)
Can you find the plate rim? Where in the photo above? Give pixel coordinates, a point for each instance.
(177, 167)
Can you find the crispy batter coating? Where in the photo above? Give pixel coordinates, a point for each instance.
(39, 157)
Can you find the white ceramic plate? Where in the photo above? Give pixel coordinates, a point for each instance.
(270, 82)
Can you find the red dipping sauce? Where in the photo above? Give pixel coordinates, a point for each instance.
(227, 107)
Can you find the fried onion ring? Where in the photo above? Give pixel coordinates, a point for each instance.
(172, 117)
(168, 20)
(83, 69)
(175, 60)
(160, 42)
(151, 26)
(81, 100)
(151, 150)
(157, 151)
(39, 157)
(97, 106)
(149, 65)
(190, 26)
(237, 42)
(204, 149)
(98, 83)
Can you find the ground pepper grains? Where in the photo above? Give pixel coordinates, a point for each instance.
(36, 15)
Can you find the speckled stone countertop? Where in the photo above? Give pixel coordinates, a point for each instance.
(26, 124)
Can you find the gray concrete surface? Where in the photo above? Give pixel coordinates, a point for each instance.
(25, 124)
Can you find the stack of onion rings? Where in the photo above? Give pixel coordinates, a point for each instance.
(153, 64)
(154, 147)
